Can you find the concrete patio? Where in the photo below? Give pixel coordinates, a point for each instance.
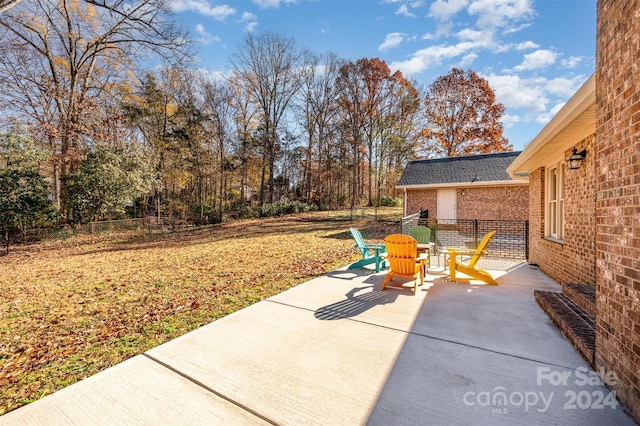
(338, 351)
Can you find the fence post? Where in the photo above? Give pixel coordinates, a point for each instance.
(475, 233)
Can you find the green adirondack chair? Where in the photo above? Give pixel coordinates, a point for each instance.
(371, 253)
(422, 235)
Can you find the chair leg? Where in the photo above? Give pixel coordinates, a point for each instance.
(386, 280)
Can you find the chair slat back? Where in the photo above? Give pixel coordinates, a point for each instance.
(421, 233)
(360, 244)
(402, 251)
(481, 247)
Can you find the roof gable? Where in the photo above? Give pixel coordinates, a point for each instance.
(471, 169)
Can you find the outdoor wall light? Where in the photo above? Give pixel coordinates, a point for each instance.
(576, 158)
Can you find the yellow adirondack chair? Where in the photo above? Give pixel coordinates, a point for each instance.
(471, 268)
(404, 261)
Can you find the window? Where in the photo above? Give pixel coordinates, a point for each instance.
(554, 221)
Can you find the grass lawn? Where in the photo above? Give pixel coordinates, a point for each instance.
(71, 308)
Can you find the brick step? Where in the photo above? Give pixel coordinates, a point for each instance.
(583, 295)
(578, 325)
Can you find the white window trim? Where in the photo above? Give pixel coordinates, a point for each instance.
(556, 205)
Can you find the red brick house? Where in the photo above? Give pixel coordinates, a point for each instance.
(585, 223)
(472, 187)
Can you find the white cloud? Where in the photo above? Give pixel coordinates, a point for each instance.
(526, 45)
(324, 27)
(565, 87)
(533, 95)
(538, 59)
(484, 38)
(518, 93)
(508, 120)
(219, 12)
(470, 35)
(250, 20)
(251, 26)
(546, 117)
(500, 13)
(267, 4)
(444, 10)
(467, 60)
(205, 37)
(434, 55)
(403, 10)
(391, 40)
(247, 17)
(571, 62)
(444, 28)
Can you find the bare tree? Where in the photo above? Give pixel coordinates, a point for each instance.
(60, 56)
(8, 4)
(246, 112)
(219, 112)
(353, 115)
(269, 65)
(319, 108)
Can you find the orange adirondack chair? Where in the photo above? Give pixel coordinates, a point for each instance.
(404, 261)
(471, 268)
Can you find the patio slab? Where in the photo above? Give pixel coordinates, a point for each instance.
(338, 351)
(138, 391)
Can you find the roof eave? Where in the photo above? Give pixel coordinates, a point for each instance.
(463, 184)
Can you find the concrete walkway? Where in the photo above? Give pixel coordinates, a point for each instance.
(338, 351)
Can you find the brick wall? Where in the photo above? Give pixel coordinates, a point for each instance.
(485, 203)
(572, 260)
(422, 199)
(618, 197)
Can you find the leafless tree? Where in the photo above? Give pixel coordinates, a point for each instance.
(318, 110)
(270, 65)
(219, 112)
(8, 4)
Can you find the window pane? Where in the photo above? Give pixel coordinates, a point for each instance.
(560, 220)
(553, 182)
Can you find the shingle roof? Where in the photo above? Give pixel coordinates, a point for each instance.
(475, 168)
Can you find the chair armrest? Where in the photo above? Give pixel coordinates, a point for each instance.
(422, 256)
(374, 246)
(462, 252)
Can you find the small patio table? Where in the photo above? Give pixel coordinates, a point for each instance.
(426, 248)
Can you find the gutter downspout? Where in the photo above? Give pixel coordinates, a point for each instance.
(404, 203)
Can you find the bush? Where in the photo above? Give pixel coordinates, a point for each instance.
(388, 202)
(285, 207)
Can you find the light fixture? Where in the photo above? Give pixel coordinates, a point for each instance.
(576, 158)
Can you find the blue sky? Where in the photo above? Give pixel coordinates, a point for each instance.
(535, 54)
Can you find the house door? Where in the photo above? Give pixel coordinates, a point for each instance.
(446, 204)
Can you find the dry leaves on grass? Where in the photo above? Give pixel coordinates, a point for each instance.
(70, 309)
